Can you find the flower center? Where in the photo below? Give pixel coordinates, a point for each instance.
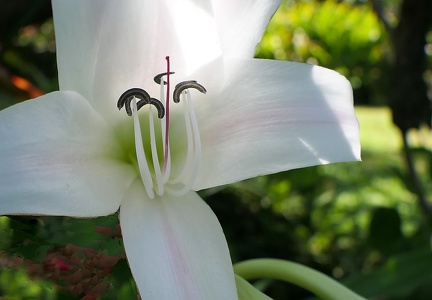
(154, 161)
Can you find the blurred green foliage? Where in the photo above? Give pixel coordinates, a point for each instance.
(342, 36)
(16, 284)
(357, 222)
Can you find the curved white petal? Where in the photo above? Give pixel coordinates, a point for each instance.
(58, 158)
(274, 116)
(105, 47)
(241, 24)
(175, 247)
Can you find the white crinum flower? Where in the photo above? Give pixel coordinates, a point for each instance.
(73, 153)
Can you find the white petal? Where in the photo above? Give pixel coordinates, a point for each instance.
(241, 24)
(58, 158)
(175, 248)
(106, 47)
(275, 116)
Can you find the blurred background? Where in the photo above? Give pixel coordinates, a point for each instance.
(366, 224)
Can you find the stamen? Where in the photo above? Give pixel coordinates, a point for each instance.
(141, 158)
(158, 78)
(197, 139)
(189, 138)
(155, 157)
(156, 103)
(126, 98)
(193, 157)
(179, 88)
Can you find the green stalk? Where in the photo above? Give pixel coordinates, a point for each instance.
(316, 282)
(247, 291)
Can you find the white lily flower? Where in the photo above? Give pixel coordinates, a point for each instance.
(73, 153)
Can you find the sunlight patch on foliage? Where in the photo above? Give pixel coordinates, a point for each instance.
(377, 133)
(343, 36)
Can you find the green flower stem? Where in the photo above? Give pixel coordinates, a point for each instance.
(305, 277)
(247, 291)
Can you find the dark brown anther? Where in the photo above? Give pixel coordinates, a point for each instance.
(189, 84)
(158, 77)
(126, 98)
(156, 103)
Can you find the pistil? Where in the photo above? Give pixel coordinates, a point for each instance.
(160, 180)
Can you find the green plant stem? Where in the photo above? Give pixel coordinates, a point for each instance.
(246, 291)
(305, 277)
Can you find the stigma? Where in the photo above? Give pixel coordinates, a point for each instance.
(153, 148)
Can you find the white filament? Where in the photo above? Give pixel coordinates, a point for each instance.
(189, 140)
(155, 157)
(190, 170)
(141, 158)
(183, 183)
